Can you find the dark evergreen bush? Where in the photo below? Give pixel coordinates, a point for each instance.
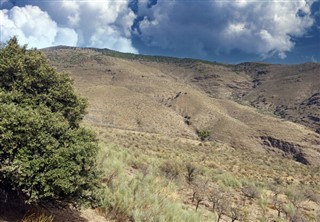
(44, 153)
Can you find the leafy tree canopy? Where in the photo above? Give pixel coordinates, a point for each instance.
(44, 153)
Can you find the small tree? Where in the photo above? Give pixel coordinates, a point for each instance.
(44, 154)
(222, 207)
(191, 171)
(237, 213)
(199, 191)
(215, 195)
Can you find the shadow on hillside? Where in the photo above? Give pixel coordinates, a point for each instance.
(13, 209)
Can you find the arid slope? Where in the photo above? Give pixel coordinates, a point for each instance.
(183, 97)
(290, 91)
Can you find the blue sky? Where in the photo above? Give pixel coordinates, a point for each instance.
(230, 31)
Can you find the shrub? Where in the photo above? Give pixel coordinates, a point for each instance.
(199, 192)
(312, 195)
(237, 213)
(222, 207)
(295, 195)
(44, 154)
(229, 180)
(203, 134)
(139, 197)
(170, 169)
(251, 191)
(215, 194)
(191, 171)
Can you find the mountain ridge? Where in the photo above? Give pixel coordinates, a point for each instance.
(115, 53)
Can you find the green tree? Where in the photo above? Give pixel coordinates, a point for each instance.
(44, 153)
(29, 73)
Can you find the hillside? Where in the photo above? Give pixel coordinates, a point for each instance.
(291, 92)
(182, 97)
(183, 140)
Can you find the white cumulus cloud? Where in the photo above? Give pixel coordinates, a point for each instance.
(176, 27)
(66, 36)
(260, 27)
(103, 24)
(33, 26)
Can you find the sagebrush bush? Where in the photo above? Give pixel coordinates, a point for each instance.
(140, 197)
(170, 169)
(251, 191)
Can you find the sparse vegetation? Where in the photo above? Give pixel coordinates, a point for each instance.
(37, 217)
(215, 194)
(251, 191)
(170, 169)
(222, 208)
(191, 172)
(139, 196)
(204, 134)
(212, 192)
(199, 191)
(237, 213)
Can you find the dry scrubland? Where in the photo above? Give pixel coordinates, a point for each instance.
(150, 113)
(147, 179)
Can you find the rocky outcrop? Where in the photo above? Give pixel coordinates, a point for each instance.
(290, 149)
(310, 110)
(255, 69)
(313, 100)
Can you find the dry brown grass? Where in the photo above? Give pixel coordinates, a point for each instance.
(219, 165)
(37, 217)
(151, 112)
(158, 97)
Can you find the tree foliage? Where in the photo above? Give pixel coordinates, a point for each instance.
(44, 153)
(31, 78)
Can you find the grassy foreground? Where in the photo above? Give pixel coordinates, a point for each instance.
(148, 179)
(135, 194)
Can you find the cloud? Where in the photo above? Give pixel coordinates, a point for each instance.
(266, 28)
(182, 28)
(103, 24)
(66, 36)
(32, 25)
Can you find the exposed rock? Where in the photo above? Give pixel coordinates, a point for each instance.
(206, 76)
(255, 69)
(314, 118)
(290, 149)
(314, 100)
